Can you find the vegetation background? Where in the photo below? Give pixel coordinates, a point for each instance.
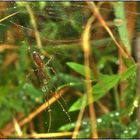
(89, 52)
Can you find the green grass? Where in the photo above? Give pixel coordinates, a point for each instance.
(60, 26)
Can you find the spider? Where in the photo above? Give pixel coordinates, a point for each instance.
(44, 79)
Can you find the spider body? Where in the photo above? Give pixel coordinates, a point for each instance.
(40, 66)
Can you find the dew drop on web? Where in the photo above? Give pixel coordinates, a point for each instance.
(125, 131)
(99, 120)
(43, 88)
(49, 110)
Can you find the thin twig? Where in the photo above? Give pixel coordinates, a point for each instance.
(13, 14)
(50, 135)
(43, 107)
(4, 47)
(37, 35)
(103, 108)
(79, 119)
(33, 21)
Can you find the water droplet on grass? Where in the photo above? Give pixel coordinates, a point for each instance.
(101, 66)
(44, 89)
(72, 124)
(135, 103)
(99, 120)
(125, 131)
(84, 122)
(117, 113)
(111, 115)
(49, 110)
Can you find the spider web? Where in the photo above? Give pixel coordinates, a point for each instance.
(71, 17)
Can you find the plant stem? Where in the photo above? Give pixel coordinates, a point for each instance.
(86, 49)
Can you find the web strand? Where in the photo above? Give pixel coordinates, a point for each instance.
(44, 89)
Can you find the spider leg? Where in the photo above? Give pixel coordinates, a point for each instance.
(55, 87)
(50, 59)
(29, 74)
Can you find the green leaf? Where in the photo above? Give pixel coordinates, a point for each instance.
(99, 90)
(129, 72)
(131, 130)
(133, 105)
(68, 78)
(21, 4)
(106, 84)
(128, 62)
(119, 9)
(79, 69)
(105, 60)
(23, 56)
(42, 5)
(15, 104)
(4, 92)
(34, 93)
(71, 84)
(103, 121)
(5, 116)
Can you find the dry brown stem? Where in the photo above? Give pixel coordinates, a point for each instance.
(88, 85)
